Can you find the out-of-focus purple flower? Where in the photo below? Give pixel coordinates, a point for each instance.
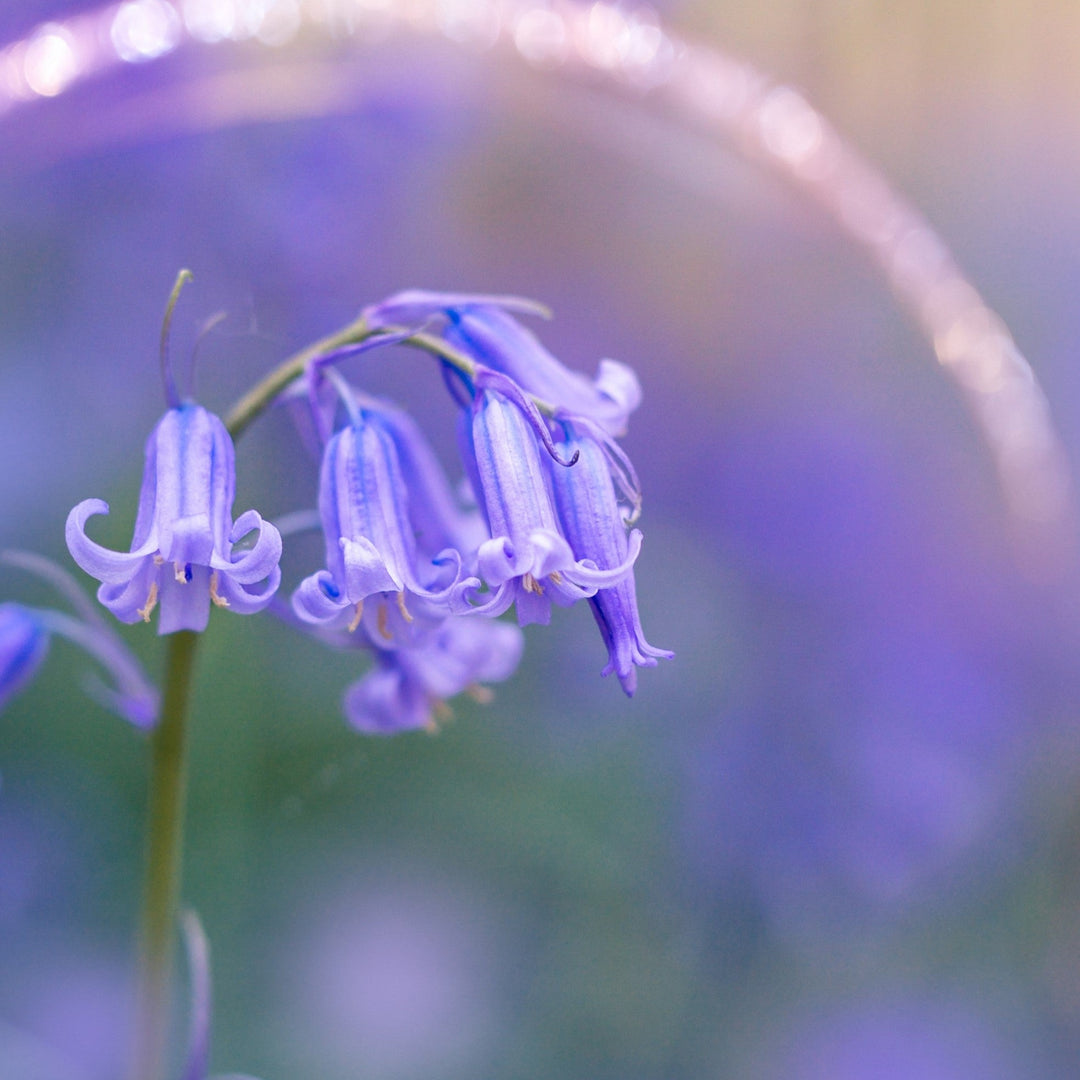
(401, 976)
(592, 521)
(527, 561)
(484, 328)
(25, 634)
(370, 530)
(408, 686)
(901, 1040)
(24, 643)
(182, 553)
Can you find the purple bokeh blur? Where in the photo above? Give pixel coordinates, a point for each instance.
(836, 835)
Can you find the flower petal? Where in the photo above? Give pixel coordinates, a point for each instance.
(108, 566)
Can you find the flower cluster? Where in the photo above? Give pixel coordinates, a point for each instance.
(413, 573)
(416, 569)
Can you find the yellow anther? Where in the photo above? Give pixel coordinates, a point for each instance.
(381, 621)
(482, 695)
(219, 601)
(556, 577)
(531, 584)
(402, 608)
(151, 603)
(358, 614)
(180, 570)
(158, 560)
(441, 714)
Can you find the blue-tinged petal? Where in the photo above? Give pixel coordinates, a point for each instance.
(241, 597)
(531, 605)
(258, 562)
(463, 652)
(499, 341)
(182, 550)
(513, 482)
(365, 570)
(108, 566)
(188, 540)
(24, 644)
(619, 383)
(407, 687)
(317, 599)
(195, 484)
(25, 634)
(591, 518)
(386, 702)
(365, 505)
(586, 574)
(616, 614)
(416, 306)
(184, 599)
(439, 523)
(135, 599)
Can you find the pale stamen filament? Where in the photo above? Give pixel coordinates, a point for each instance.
(219, 600)
(151, 602)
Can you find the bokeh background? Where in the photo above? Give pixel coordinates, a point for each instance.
(838, 835)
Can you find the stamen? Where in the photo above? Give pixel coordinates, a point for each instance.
(151, 603)
(532, 585)
(159, 559)
(182, 572)
(556, 577)
(482, 695)
(357, 616)
(219, 601)
(405, 614)
(381, 620)
(441, 714)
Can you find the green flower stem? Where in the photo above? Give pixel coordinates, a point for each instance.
(263, 392)
(161, 887)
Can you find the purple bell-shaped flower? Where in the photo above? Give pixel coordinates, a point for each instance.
(182, 554)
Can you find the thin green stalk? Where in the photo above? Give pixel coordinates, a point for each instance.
(164, 843)
(263, 392)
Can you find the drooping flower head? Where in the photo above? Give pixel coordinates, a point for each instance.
(592, 520)
(527, 560)
(370, 529)
(182, 555)
(408, 687)
(484, 327)
(25, 638)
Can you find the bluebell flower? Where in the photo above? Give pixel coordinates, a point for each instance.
(374, 547)
(484, 328)
(24, 644)
(182, 555)
(527, 559)
(592, 520)
(25, 638)
(408, 686)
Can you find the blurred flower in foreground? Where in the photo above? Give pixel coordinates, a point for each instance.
(25, 634)
(182, 552)
(409, 686)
